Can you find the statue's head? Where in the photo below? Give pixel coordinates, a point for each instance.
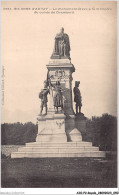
(62, 30)
(77, 83)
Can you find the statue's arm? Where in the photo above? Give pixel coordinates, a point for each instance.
(75, 91)
(67, 41)
(46, 92)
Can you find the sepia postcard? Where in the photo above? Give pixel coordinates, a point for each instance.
(59, 97)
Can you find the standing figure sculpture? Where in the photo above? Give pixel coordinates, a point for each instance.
(77, 97)
(43, 96)
(58, 98)
(62, 45)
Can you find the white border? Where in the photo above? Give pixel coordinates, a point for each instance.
(62, 190)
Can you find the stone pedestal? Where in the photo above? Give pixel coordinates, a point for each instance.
(80, 124)
(57, 137)
(61, 70)
(60, 134)
(69, 126)
(75, 135)
(51, 128)
(52, 140)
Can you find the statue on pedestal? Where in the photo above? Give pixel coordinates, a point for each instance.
(77, 97)
(62, 45)
(58, 98)
(43, 96)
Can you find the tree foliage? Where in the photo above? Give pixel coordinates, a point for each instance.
(102, 131)
(18, 133)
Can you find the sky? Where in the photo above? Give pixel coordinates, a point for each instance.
(27, 44)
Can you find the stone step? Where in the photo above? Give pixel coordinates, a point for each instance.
(57, 149)
(59, 144)
(55, 155)
(52, 138)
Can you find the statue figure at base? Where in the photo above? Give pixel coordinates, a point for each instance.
(43, 96)
(77, 97)
(58, 98)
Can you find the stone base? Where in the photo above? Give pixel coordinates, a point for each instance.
(75, 135)
(51, 128)
(56, 56)
(80, 123)
(51, 141)
(51, 138)
(52, 149)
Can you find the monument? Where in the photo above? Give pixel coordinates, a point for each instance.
(60, 128)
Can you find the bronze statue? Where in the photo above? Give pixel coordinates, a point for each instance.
(77, 97)
(62, 45)
(58, 98)
(43, 96)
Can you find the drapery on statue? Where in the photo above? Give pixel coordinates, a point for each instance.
(58, 98)
(77, 97)
(62, 45)
(43, 96)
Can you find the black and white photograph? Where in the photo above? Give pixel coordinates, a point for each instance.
(59, 96)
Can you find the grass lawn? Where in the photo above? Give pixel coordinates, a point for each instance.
(59, 173)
